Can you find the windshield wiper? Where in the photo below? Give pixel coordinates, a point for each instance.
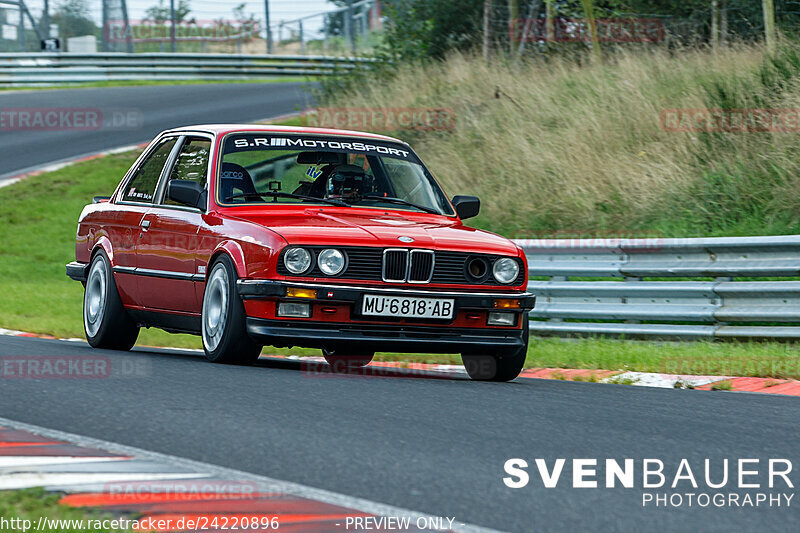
(389, 199)
(279, 194)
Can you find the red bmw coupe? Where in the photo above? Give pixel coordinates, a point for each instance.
(336, 240)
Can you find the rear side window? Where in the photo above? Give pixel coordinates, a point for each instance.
(142, 186)
(192, 163)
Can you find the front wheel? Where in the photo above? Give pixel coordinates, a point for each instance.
(224, 331)
(105, 321)
(503, 367)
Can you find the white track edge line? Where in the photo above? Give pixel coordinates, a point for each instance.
(295, 489)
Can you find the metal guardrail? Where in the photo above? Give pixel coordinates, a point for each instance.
(649, 301)
(40, 69)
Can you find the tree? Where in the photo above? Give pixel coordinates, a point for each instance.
(335, 22)
(160, 13)
(247, 24)
(73, 18)
(431, 28)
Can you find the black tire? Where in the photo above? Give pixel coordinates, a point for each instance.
(341, 362)
(224, 328)
(503, 367)
(105, 322)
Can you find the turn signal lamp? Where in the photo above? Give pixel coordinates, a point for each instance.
(293, 292)
(506, 304)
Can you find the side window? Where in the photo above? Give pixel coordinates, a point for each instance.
(142, 187)
(192, 163)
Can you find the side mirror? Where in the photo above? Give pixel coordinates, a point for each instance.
(467, 206)
(185, 192)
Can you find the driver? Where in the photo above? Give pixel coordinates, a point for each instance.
(343, 181)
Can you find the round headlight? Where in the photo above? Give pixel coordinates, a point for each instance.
(330, 261)
(505, 270)
(297, 260)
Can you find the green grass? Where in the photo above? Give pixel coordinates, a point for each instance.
(722, 385)
(758, 359)
(31, 504)
(38, 218)
(568, 147)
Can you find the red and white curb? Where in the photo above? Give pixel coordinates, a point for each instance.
(318, 367)
(166, 492)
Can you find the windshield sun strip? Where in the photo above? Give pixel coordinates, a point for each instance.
(414, 159)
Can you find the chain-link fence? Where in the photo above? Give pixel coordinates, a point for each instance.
(348, 26)
(339, 27)
(528, 26)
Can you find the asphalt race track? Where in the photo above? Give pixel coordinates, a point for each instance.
(435, 445)
(432, 445)
(130, 115)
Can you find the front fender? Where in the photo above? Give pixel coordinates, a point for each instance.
(233, 250)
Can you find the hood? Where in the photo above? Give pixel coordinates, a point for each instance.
(373, 227)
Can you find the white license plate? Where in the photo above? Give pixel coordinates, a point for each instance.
(405, 307)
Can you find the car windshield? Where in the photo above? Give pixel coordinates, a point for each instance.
(265, 168)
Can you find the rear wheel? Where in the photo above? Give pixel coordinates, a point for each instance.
(224, 331)
(503, 367)
(341, 360)
(105, 321)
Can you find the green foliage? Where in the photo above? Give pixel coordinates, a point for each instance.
(422, 29)
(38, 297)
(335, 22)
(738, 185)
(74, 19)
(159, 13)
(31, 504)
(416, 30)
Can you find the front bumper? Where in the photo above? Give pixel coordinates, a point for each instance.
(363, 333)
(385, 338)
(347, 293)
(77, 271)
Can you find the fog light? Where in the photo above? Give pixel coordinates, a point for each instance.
(291, 309)
(502, 319)
(300, 293)
(506, 304)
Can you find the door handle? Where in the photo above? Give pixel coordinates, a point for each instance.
(145, 225)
